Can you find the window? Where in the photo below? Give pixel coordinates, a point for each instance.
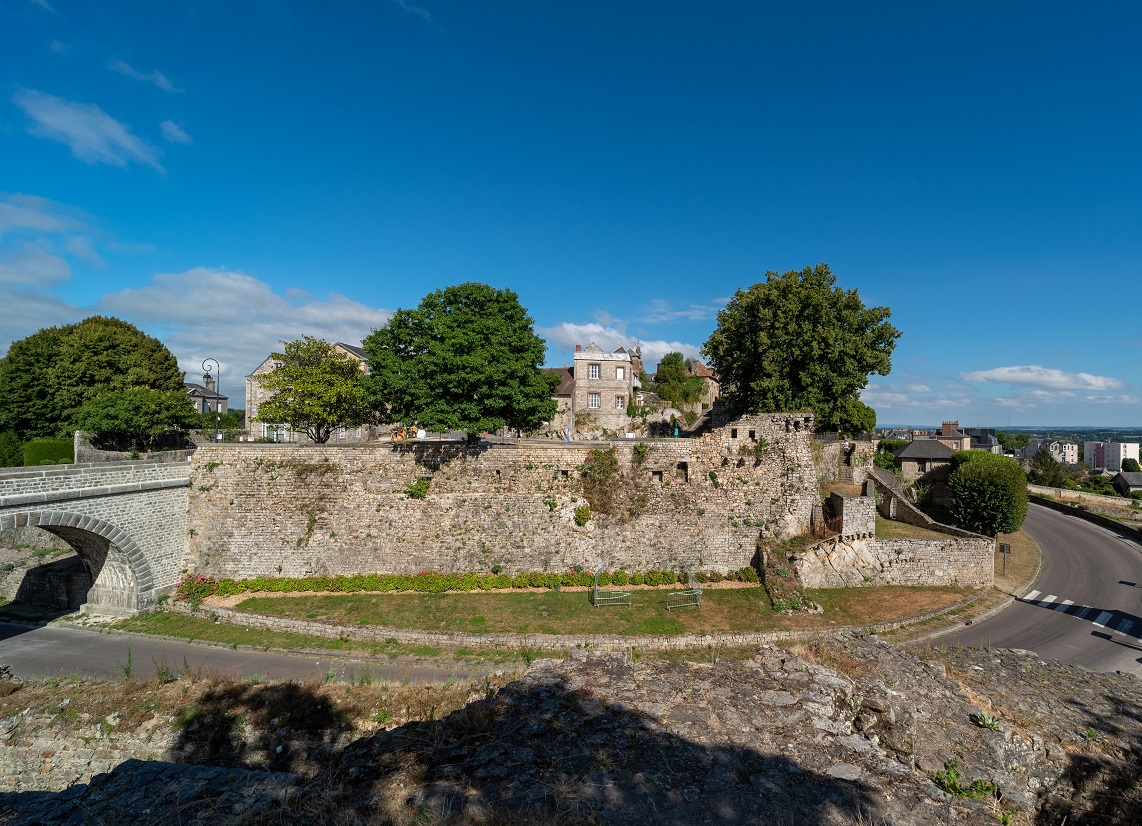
(620, 373)
(733, 432)
(593, 400)
(620, 403)
(593, 372)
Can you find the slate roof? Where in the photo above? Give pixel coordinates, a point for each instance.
(1134, 480)
(357, 351)
(924, 449)
(198, 390)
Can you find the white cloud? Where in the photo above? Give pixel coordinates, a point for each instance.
(92, 134)
(31, 265)
(1044, 377)
(415, 10)
(562, 338)
(44, 4)
(890, 398)
(156, 77)
(174, 133)
(236, 319)
(919, 388)
(59, 47)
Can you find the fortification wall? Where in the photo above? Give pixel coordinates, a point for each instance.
(847, 562)
(263, 509)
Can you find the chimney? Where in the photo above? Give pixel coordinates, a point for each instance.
(578, 348)
(950, 428)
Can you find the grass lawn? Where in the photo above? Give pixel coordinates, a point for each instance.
(552, 612)
(200, 628)
(891, 529)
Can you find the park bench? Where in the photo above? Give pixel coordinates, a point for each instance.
(690, 596)
(601, 598)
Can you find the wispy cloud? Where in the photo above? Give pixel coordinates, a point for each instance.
(32, 213)
(44, 4)
(184, 311)
(415, 10)
(562, 338)
(156, 77)
(1044, 377)
(174, 133)
(92, 135)
(32, 265)
(660, 311)
(59, 47)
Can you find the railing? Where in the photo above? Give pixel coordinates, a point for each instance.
(688, 597)
(601, 598)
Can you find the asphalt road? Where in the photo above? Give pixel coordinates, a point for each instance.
(1086, 606)
(58, 650)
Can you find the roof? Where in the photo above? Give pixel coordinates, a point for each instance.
(566, 379)
(198, 390)
(697, 368)
(924, 449)
(353, 349)
(1134, 480)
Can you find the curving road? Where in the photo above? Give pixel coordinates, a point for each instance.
(1086, 606)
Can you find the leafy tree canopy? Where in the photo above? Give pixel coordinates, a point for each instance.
(316, 390)
(138, 417)
(989, 492)
(796, 341)
(45, 377)
(673, 382)
(1012, 441)
(466, 359)
(11, 450)
(1130, 465)
(1046, 470)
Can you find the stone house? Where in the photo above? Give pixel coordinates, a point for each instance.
(713, 386)
(925, 460)
(1127, 483)
(1061, 450)
(205, 397)
(280, 432)
(951, 435)
(603, 386)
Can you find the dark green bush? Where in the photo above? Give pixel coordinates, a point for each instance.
(48, 452)
(989, 492)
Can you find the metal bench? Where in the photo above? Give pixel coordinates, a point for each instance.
(688, 597)
(601, 598)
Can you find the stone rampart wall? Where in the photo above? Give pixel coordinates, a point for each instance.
(49, 478)
(848, 562)
(260, 509)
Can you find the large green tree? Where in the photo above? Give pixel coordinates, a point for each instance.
(797, 341)
(138, 417)
(989, 492)
(467, 358)
(673, 382)
(316, 390)
(47, 376)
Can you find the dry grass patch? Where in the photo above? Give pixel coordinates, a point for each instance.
(891, 529)
(1022, 562)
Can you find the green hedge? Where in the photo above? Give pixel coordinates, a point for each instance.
(196, 586)
(49, 452)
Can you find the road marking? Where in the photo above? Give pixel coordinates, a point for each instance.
(1102, 619)
(1031, 596)
(1125, 627)
(1049, 599)
(1082, 614)
(1064, 605)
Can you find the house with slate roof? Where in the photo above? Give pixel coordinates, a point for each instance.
(1127, 483)
(924, 460)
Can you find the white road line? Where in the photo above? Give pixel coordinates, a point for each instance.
(1082, 614)
(1064, 605)
(1102, 619)
(1047, 600)
(1125, 627)
(1031, 596)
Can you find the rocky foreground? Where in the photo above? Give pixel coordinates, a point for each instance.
(847, 730)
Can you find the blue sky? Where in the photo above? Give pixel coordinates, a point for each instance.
(229, 174)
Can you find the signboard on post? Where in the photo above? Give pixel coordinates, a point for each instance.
(1004, 549)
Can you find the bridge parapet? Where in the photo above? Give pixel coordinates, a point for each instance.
(126, 520)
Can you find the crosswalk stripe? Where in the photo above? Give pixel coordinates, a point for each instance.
(1103, 618)
(1046, 600)
(1064, 605)
(1082, 614)
(1125, 627)
(1031, 596)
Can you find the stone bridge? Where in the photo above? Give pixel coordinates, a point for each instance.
(126, 520)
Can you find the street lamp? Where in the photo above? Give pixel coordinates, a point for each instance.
(206, 380)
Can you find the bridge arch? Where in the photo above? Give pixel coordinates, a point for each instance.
(121, 578)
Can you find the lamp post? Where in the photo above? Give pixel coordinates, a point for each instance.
(206, 380)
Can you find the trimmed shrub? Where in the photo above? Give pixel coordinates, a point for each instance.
(49, 452)
(989, 492)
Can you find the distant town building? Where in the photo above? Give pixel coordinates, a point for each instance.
(1109, 455)
(1061, 450)
(951, 435)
